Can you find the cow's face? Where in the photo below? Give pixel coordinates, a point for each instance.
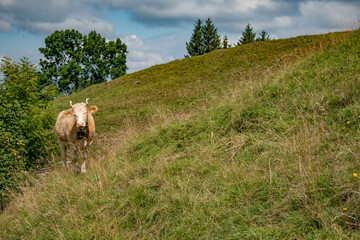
(81, 114)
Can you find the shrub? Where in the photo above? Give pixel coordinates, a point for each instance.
(25, 117)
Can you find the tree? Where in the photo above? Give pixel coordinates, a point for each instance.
(225, 43)
(264, 36)
(103, 59)
(211, 40)
(25, 117)
(204, 39)
(247, 35)
(73, 61)
(62, 63)
(195, 45)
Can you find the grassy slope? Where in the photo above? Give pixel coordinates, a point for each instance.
(238, 143)
(155, 94)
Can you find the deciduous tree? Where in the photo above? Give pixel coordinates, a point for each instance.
(73, 61)
(62, 63)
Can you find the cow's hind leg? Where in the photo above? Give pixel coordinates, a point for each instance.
(63, 147)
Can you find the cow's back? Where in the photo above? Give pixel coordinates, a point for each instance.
(65, 126)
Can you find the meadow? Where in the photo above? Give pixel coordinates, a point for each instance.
(258, 141)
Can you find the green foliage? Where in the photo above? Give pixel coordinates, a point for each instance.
(264, 36)
(248, 36)
(103, 59)
(195, 45)
(225, 43)
(24, 118)
(204, 38)
(211, 40)
(61, 65)
(73, 62)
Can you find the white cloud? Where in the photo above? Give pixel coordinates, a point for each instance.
(45, 16)
(81, 23)
(33, 55)
(192, 9)
(137, 56)
(230, 15)
(132, 41)
(6, 3)
(151, 59)
(145, 54)
(329, 15)
(5, 26)
(281, 22)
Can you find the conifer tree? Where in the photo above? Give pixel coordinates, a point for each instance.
(211, 40)
(225, 43)
(195, 45)
(264, 36)
(247, 36)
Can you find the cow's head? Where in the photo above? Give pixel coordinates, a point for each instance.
(81, 111)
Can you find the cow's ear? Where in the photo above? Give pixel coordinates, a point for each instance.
(69, 113)
(92, 109)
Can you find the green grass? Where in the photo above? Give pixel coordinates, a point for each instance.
(182, 86)
(254, 142)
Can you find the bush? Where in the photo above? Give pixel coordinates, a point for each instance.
(25, 117)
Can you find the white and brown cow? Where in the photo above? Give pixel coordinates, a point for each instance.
(75, 129)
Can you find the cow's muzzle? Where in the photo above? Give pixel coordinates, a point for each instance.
(80, 125)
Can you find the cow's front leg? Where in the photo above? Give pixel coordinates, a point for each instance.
(83, 145)
(74, 157)
(83, 164)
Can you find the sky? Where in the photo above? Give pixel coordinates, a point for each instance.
(156, 31)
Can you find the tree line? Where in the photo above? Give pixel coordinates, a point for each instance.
(205, 38)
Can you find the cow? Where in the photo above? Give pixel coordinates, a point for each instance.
(75, 129)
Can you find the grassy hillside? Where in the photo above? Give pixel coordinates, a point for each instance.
(254, 142)
(180, 87)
